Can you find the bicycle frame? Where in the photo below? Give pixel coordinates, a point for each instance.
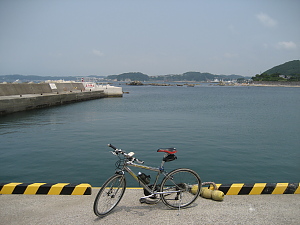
(160, 170)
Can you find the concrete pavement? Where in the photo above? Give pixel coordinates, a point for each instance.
(66, 209)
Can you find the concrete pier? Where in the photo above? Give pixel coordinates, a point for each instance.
(109, 91)
(76, 209)
(21, 97)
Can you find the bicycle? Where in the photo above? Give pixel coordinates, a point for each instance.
(178, 188)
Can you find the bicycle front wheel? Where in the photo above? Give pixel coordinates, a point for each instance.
(177, 188)
(109, 195)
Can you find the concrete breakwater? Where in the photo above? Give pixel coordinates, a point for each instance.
(20, 97)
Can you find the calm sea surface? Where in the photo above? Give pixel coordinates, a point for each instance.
(226, 134)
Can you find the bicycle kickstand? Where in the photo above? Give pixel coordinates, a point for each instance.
(179, 204)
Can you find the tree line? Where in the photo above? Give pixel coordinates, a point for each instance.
(188, 76)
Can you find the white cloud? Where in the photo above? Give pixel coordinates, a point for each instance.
(97, 52)
(266, 20)
(288, 45)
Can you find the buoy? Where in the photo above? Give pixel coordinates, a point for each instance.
(217, 195)
(194, 189)
(211, 191)
(205, 192)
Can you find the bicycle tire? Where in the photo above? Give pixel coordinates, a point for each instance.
(109, 195)
(180, 181)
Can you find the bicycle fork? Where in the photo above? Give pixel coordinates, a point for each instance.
(110, 192)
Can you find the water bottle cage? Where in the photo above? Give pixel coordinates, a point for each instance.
(145, 178)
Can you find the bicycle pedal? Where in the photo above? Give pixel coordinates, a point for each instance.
(143, 200)
(149, 201)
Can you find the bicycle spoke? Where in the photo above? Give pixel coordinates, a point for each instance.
(109, 195)
(176, 188)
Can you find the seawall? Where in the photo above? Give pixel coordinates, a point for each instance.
(43, 88)
(21, 97)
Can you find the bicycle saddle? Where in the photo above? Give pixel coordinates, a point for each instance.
(167, 150)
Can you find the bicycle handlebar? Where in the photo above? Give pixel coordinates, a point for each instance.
(113, 147)
(129, 155)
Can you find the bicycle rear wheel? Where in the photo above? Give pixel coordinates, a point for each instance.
(177, 186)
(109, 195)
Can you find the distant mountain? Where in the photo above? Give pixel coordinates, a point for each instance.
(134, 76)
(289, 71)
(188, 76)
(290, 68)
(131, 76)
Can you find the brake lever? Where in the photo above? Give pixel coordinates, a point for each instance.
(113, 152)
(139, 161)
(117, 152)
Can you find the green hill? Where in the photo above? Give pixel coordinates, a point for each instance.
(289, 71)
(188, 76)
(289, 68)
(130, 76)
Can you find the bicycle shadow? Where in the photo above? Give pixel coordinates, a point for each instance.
(143, 209)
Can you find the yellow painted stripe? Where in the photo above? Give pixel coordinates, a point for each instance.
(8, 188)
(80, 189)
(32, 188)
(57, 188)
(297, 190)
(234, 189)
(257, 188)
(280, 188)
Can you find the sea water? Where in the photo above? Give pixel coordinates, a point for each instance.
(226, 134)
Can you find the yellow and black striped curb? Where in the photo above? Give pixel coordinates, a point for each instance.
(45, 188)
(259, 188)
(86, 189)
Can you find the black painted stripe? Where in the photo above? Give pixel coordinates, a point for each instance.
(68, 189)
(291, 188)
(269, 188)
(224, 188)
(88, 191)
(1, 186)
(246, 189)
(20, 189)
(44, 189)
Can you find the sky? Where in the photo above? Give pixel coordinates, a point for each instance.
(155, 37)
